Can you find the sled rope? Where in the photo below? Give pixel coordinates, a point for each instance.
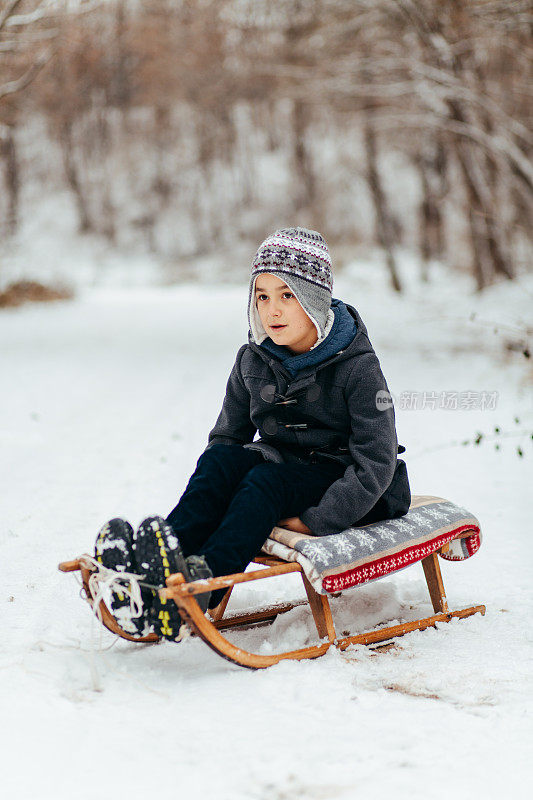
(104, 579)
(101, 581)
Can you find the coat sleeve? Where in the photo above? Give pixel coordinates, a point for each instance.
(234, 425)
(373, 447)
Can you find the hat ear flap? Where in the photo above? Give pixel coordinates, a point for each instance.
(254, 320)
(315, 300)
(291, 284)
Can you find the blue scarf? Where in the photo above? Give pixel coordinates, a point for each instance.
(340, 336)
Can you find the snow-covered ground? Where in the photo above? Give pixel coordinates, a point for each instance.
(106, 403)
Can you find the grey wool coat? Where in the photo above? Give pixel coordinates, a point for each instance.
(327, 411)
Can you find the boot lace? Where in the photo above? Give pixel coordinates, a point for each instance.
(104, 580)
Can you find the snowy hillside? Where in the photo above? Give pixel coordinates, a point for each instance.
(106, 404)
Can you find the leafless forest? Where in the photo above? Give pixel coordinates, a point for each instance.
(182, 126)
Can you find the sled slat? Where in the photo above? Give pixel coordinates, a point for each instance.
(176, 583)
(69, 566)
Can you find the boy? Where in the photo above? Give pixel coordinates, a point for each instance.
(310, 384)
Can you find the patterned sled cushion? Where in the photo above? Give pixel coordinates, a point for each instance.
(360, 555)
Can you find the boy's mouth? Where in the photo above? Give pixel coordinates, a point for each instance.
(277, 327)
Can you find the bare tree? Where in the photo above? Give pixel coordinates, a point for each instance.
(24, 50)
(166, 112)
(436, 72)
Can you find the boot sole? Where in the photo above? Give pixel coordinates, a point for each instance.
(114, 550)
(157, 560)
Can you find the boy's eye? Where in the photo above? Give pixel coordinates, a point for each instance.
(265, 296)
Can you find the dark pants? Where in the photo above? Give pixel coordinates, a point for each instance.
(233, 500)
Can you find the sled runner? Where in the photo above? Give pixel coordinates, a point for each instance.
(328, 565)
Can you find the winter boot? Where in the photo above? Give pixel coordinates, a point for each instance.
(158, 554)
(114, 550)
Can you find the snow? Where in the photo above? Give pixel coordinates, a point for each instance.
(106, 403)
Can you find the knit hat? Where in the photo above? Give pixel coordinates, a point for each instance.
(301, 259)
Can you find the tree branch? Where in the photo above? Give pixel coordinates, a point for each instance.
(20, 83)
(7, 12)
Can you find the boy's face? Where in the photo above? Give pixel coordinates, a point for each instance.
(283, 318)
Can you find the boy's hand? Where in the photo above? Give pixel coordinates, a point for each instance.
(294, 524)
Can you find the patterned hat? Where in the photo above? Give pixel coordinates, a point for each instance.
(301, 259)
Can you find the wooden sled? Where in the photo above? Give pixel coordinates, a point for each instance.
(210, 630)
